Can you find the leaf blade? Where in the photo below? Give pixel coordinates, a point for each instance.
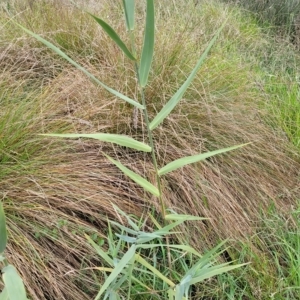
(129, 13)
(118, 139)
(4, 294)
(3, 231)
(135, 177)
(176, 217)
(148, 46)
(114, 36)
(118, 269)
(142, 261)
(99, 251)
(178, 163)
(79, 67)
(215, 271)
(13, 283)
(170, 105)
(184, 248)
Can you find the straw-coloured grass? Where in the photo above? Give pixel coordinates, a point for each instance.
(56, 191)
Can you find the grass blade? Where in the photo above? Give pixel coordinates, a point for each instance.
(184, 248)
(3, 232)
(135, 177)
(170, 105)
(129, 13)
(4, 294)
(148, 47)
(142, 261)
(13, 283)
(130, 222)
(79, 67)
(175, 217)
(178, 163)
(114, 36)
(119, 268)
(210, 272)
(99, 251)
(118, 139)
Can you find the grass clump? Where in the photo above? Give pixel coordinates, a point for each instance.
(68, 189)
(284, 15)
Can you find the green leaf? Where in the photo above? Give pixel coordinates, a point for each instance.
(185, 248)
(4, 294)
(120, 211)
(118, 139)
(13, 283)
(170, 105)
(135, 177)
(114, 36)
(213, 271)
(145, 237)
(3, 232)
(148, 47)
(124, 228)
(79, 67)
(176, 217)
(129, 13)
(142, 261)
(118, 269)
(166, 229)
(126, 238)
(178, 163)
(99, 251)
(171, 294)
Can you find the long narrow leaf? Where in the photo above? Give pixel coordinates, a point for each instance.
(131, 223)
(114, 36)
(3, 233)
(213, 272)
(148, 47)
(99, 251)
(119, 268)
(185, 248)
(4, 294)
(124, 228)
(207, 258)
(135, 177)
(178, 163)
(13, 283)
(170, 105)
(166, 229)
(129, 13)
(118, 139)
(142, 261)
(79, 67)
(175, 217)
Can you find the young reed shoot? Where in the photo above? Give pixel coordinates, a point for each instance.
(135, 239)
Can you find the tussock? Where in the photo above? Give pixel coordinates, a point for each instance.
(60, 190)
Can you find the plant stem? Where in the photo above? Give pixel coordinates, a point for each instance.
(150, 136)
(149, 132)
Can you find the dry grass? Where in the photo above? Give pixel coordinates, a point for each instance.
(55, 191)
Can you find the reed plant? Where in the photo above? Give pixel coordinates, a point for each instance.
(122, 268)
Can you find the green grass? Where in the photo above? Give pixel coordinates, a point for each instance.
(281, 15)
(55, 192)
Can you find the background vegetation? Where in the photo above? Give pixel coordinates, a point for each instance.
(54, 192)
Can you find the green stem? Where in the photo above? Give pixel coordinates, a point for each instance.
(149, 132)
(154, 160)
(150, 136)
